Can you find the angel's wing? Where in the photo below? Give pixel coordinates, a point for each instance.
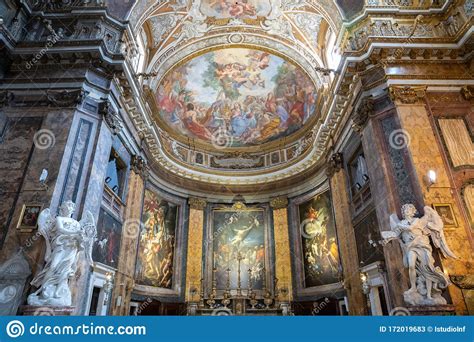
(435, 228)
(45, 228)
(90, 234)
(394, 232)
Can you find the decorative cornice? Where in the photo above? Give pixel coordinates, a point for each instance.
(279, 202)
(408, 95)
(197, 203)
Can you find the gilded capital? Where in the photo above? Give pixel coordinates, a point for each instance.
(279, 202)
(197, 203)
(408, 95)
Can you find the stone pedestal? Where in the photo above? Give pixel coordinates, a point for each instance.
(29, 310)
(435, 310)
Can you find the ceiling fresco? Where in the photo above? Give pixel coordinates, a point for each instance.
(223, 9)
(236, 97)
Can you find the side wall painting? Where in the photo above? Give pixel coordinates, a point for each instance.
(109, 235)
(157, 242)
(318, 233)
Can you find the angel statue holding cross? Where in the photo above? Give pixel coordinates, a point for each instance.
(426, 280)
(65, 238)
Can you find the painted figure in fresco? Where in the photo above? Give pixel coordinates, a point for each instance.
(234, 8)
(251, 95)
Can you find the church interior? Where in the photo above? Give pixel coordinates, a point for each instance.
(236, 157)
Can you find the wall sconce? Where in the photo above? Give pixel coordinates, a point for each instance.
(430, 178)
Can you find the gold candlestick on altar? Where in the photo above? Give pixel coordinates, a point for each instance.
(227, 284)
(201, 295)
(214, 279)
(239, 284)
(249, 291)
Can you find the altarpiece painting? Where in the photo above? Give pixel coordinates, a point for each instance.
(239, 237)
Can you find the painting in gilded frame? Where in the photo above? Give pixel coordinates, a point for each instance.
(157, 242)
(239, 234)
(319, 241)
(237, 96)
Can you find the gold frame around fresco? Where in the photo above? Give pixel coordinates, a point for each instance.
(268, 146)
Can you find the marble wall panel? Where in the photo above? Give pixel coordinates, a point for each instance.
(426, 155)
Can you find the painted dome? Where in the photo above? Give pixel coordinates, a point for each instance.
(235, 97)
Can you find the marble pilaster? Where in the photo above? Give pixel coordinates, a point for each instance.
(124, 278)
(384, 196)
(347, 244)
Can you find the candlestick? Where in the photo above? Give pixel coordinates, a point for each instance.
(249, 283)
(239, 284)
(227, 285)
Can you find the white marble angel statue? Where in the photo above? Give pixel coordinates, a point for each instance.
(65, 238)
(426, 280)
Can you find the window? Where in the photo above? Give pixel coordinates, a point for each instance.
(116, 173)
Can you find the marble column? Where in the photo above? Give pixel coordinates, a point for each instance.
(346, 237)
(124, 278)
(282, 248)
(194, 265)
(426, 155)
